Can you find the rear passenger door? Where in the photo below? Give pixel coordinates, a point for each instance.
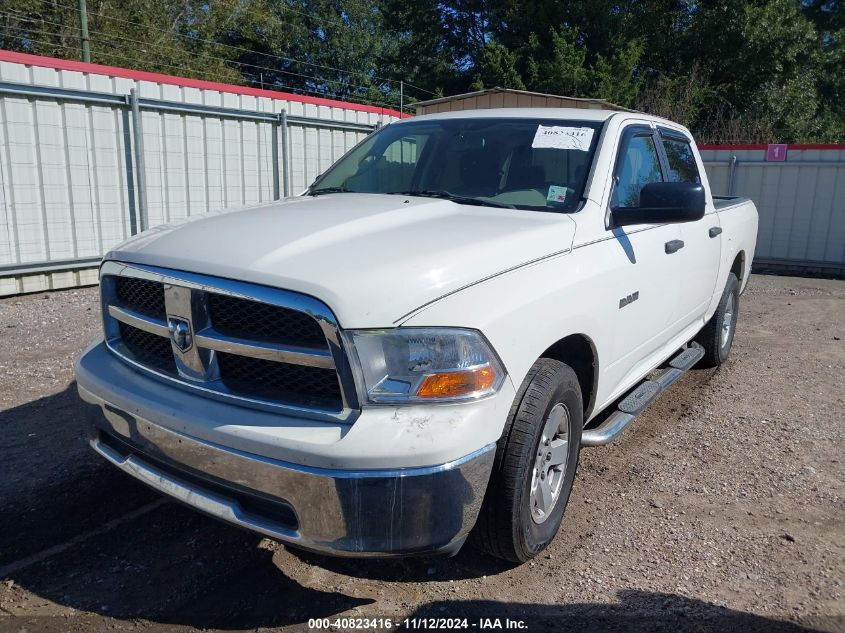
(699, 259)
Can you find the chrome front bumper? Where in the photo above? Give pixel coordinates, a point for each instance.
(340, 512)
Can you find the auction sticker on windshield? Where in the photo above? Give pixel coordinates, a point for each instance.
(560, 137)
(556, 194)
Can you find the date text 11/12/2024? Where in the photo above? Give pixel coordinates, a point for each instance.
(418, 624)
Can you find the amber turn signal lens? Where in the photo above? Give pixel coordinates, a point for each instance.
(457, 383)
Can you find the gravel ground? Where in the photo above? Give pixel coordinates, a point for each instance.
(720, 508)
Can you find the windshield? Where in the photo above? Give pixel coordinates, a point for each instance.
(538, 164)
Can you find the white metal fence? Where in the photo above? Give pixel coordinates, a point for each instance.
(88, 159)
(801, 202)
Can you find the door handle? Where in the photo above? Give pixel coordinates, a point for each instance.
(674, 246)
(715, 231)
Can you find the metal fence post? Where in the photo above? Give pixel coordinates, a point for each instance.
(129, 167)
(274, 139)
(731, 173)
(285, 158)
(140, 172)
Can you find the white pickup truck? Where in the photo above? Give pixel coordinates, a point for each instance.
(415, 350)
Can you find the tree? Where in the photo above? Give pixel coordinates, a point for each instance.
(557, 65)
(496, 66)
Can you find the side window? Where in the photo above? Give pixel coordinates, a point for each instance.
(682, 167)
(637, 166)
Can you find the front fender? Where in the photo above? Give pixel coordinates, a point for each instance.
(524, 312)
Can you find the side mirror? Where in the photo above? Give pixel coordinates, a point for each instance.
(663, 203)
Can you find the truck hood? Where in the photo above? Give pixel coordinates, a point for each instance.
(371, 258)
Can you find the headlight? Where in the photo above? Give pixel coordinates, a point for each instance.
(425, 365)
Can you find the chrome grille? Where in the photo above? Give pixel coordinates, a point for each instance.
(308, 386)
(259, 346)
(148, 348)
(243, 318)
(141, 295)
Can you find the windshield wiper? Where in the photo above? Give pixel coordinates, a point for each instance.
(318, 192)
(445, 195)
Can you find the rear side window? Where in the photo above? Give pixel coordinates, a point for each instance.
(682, 167)
(638, 165)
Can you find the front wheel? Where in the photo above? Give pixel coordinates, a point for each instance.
(718, 335)
(536, 460)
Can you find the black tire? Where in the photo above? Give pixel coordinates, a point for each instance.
(714, 337)
(507, 527)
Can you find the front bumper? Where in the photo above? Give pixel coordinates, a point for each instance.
(348, 511)
(339, 512)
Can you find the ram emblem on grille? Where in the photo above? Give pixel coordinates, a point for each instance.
(180, 333)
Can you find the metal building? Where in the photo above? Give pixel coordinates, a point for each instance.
(508, 98)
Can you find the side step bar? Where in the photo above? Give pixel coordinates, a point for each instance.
(644, 394)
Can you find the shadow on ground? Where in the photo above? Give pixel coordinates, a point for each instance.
(52, 486)
(635, 611)
(468, 563)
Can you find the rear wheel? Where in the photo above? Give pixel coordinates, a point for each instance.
(718, 335)
(535, 465)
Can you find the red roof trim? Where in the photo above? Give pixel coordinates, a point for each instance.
(832, 146)
(142, 75)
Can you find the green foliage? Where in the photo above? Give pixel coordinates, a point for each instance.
(763, 63)
(557, 65)
(615, 78)
(732, 70)
(496, 66)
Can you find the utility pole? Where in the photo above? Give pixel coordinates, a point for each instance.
(83, 31)
(401, 91)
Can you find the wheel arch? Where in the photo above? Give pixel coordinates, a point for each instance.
(738, 267)
(579, 352)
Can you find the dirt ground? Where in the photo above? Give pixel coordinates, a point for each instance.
(721, 508)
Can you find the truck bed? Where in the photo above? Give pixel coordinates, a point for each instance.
(725, 202)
